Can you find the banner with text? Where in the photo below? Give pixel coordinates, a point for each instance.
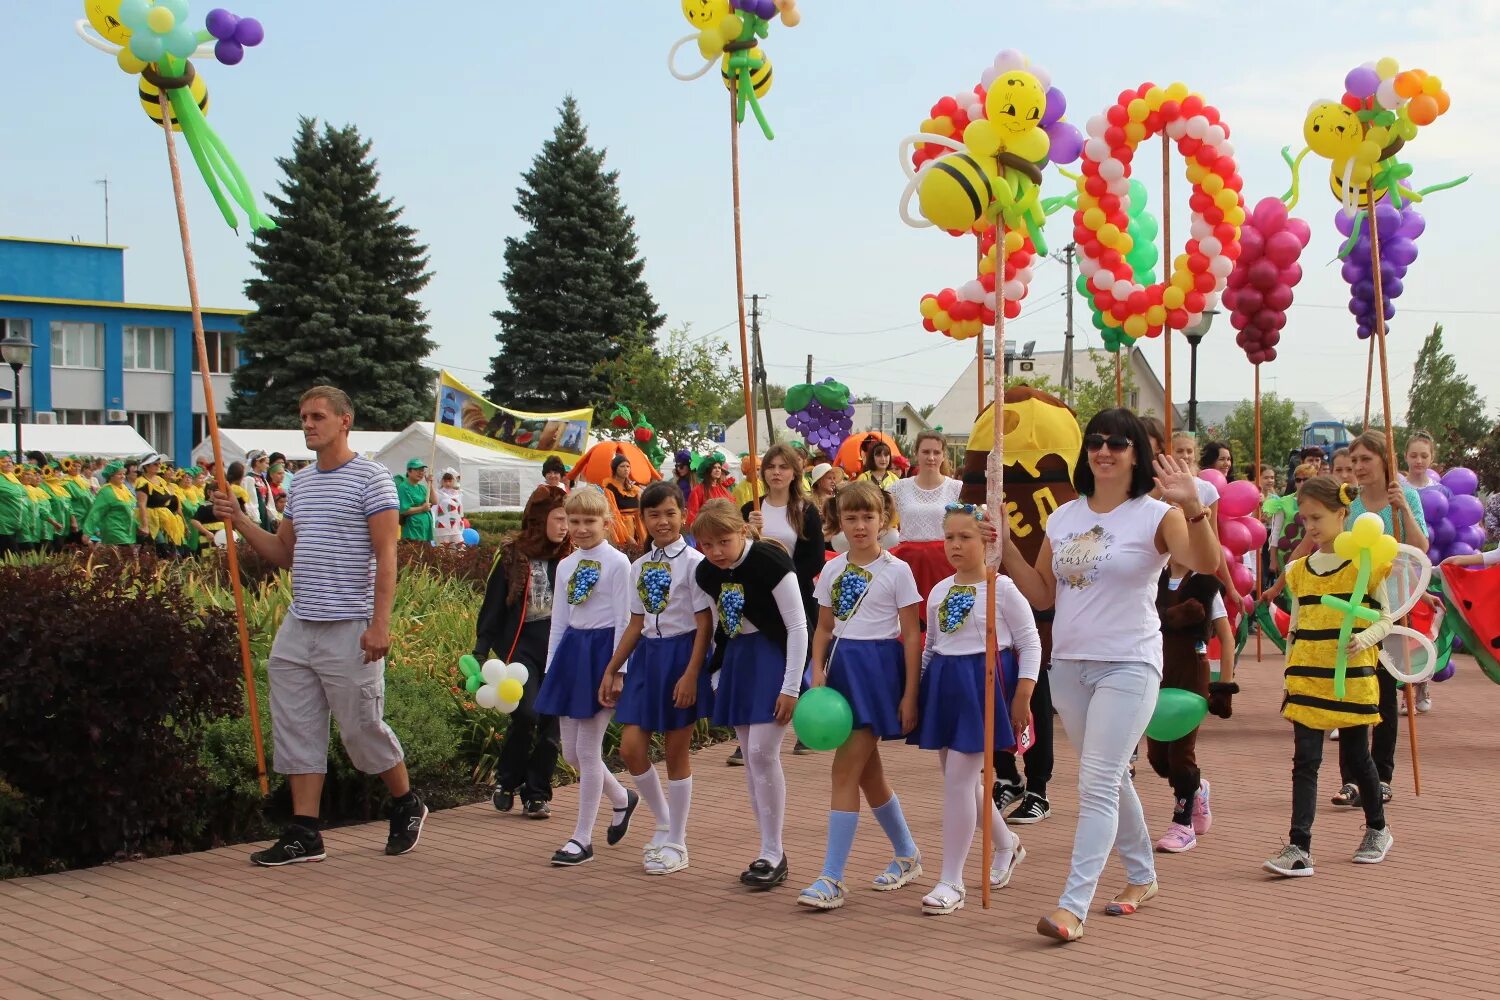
(466, 416)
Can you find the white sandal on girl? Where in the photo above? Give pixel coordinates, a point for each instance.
(1000, 878)
(820, 898)
(664, 859)
(944, 899)
(898, 873)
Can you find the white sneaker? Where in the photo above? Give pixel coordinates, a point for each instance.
(666, 859)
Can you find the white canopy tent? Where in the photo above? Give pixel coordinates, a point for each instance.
(239, 442)
(95, 440)
(491, 479)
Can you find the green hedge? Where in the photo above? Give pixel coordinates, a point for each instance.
(494, 527)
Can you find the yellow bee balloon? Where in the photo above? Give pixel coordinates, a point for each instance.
(1013, 111)
(150, 100)
(760, 78)
(104, 15)
(716, 23)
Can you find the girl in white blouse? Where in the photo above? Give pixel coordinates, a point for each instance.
(868, 647)
(951, 705)
(921, 503)
(590, 609)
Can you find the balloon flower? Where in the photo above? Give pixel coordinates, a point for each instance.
(1101, 221)
(154, 40)
(496, 684)
(1374, 551)
(821, 413)
(1259, 290)
(729, 32)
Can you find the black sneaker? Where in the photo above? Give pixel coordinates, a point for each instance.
(538, 809)
(617, 831)
(802, 749)
(406, 826)
(296, 846)
(736, 759)
(1033, 809)
(504, 799)
(1006, 793)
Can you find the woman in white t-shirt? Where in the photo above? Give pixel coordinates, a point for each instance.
(1099, 565)
(788, 518)
(921, 502)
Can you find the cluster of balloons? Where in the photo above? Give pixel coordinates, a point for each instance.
(1398, 229)
(821, 413)
(1454, 515)
(496, 684)
(1406, 654)
(965, 311)
(729, 32)
(1240, 531)
(155, 29)
(235, 34)
(1259, 289)
(1143, 258)
(1101, 221)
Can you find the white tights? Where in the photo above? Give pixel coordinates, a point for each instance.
(761, 746)
(964, 796)
(583, 749)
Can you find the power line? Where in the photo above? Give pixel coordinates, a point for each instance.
(837, 333)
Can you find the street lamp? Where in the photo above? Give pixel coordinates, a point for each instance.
(16, 350)
(1195, 334)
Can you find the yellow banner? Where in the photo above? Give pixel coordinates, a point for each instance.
(465, 415)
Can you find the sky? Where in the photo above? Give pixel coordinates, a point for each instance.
(458, 97)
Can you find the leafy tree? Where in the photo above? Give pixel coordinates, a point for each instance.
(574, 282)
(732, 406)
(1090, 395)
(1483, 456)
(1281, 425)
(679, 386)
(1441, 397)
(336, 300)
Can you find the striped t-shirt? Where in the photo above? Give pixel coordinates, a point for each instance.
(333, 564)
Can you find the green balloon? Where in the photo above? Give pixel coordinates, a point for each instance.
(468, 666)
(472, 684)
(823, 719)
(1178, 713)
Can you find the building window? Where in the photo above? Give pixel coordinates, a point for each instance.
(148, 348)
(223, 357)
(901, 427)
(1135, 400)
(20, 327)
(200, 426)
(499, 488)
(77, 345)
(78, 416)
(8, 416)
(155, 428)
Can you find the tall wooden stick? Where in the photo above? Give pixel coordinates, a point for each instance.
(1260, 566)
(1369, 380)
(995, 508)
(1390, 447)
(1166, 268)
(739, 285)
(231, 550)
(437, 412)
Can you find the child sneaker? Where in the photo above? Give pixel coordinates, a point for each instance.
(1177, 840)
(1203, 819)
(1374, 847)
(1292, 862)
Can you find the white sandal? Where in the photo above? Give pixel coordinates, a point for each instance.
(821, 899)
(938, 903)
(664, 859)
(1000, 879)
(906, 870)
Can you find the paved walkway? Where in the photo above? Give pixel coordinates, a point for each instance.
(476, 912)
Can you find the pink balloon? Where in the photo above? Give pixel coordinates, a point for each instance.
(1264, 274)
(1300, 229)
(1269, 215)
(1279, 298)
(1215, 477)
(1252, 245)
(1244, 579)
(1250, 300)
(1257, 531)
(1290, 275)
(1237, 499)
(1283, 249)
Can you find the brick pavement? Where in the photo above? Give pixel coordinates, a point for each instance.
(476, 912)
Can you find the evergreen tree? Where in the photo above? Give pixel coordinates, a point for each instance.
(336, 300)
(573, 282)
(1441, 398)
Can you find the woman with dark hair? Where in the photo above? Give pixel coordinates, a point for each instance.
(624, 496)
(710, 486)
(787, 517)
(1217, 455)
(514, 623)
(1099, 566)
(553, 471)
(879, 468)
(682, 474)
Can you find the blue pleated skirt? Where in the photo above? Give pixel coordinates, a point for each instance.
(950, 707)
(749, 681)
(871, 675)
(655, 668)
(570, 688)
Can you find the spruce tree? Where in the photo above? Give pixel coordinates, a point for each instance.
(336, 300)
(575, 293)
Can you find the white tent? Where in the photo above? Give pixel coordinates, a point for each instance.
(97, 440)
(491, 480)
(239, 442)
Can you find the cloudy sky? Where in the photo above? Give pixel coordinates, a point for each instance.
(458, 96)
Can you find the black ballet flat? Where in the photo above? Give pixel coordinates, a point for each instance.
(763, 875)
(617, 831)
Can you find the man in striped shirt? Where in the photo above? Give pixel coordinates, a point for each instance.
(339, 540)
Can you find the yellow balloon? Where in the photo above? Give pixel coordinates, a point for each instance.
(1156, 315)
(982, 138)
(1031, 145)
(1345, 547)
(1213, 183)
(699, 13)
(1135, 326)
(1172, 297)
(160, 20)
(1384, 552)
(510, 690)
(1135, 132)
(1387, 68)
(1013, 241)
(129, 63)
(1367, 528)
(104, 15)
(1138, 109)
(929, 308)
(1332, 130)
(1094, 218)
(1177, 91)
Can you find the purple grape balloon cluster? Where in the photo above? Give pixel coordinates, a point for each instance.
(821, 427)
(1455, 515)
(763, 9)
(1398, 229)
(235, 34)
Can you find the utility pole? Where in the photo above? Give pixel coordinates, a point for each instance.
(759, 374)
(1067, 376)
(809, 369)
(105, 182)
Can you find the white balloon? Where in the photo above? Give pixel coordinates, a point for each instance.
(1009, 59)
(493, 671)
(989, 300)
(1119, 185)
(1024, 275)
(1220, 267)
(975, 110)
(1197, 127)
(1121, 289)
(507, 706)
(517, 672)
(971, 291)
(1088, 266)
(1096, 149)
(1210, 301)
(1214, 135)
(487, 696)
(1096, 126)
(988, 77)
(1226, 148)
(1407, 664)
(1111, 169)
(1386, 95)
(1200, 230)
(1210, 246)
(1102, 280)
(1042, 76)
(1013, 290)
(1176, 129)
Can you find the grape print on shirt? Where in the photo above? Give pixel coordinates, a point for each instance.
(1076, 561)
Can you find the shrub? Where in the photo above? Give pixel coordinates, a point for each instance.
(112, 674)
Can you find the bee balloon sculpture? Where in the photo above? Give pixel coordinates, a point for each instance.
(153, 40)
(728, 32)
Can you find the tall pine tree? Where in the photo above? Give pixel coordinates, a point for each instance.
(574, 285)
(336, 300)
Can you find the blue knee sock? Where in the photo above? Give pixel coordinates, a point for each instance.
(893, 822)
(841, 827)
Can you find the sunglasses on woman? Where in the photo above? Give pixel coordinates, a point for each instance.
(1115, 442)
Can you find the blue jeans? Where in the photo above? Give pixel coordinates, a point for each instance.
(1104, 708)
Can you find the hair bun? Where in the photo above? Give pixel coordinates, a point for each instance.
(1348, 494)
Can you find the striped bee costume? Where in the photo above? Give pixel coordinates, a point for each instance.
(1313, 646)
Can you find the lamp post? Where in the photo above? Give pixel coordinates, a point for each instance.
(16, 350)
(1195, 334)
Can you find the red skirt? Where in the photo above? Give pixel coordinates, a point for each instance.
(929, 564)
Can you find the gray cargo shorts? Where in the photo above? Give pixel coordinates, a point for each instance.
(318, 668)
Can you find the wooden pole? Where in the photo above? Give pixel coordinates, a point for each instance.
(739, 285)
(1166, 268)
(1390, 448)
(999, 308)
(231, 550)
(1369, 379)
(995, 508)
(437, 412)
(1260, 566)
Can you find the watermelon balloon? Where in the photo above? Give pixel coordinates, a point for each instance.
(1474, 613)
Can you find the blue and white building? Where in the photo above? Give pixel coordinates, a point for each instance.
(100, 359)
